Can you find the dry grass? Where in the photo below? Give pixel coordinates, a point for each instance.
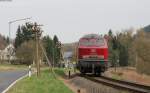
(7, 67)
(129, 74)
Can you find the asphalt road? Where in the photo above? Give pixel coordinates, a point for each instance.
(8, 77)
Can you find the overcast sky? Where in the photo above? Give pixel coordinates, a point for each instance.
(71, 19)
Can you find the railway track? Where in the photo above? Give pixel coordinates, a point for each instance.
(119, 84)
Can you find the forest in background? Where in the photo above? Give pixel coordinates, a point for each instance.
(126, 48)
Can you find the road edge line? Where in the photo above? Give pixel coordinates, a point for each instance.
(12, 84)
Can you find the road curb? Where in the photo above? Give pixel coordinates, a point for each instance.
(14, 83)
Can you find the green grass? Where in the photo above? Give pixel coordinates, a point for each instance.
(117, 75)
(114, 76)
(59, 71)
(46, 83)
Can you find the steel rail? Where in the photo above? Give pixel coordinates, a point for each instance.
(124, 85)
(128, 82)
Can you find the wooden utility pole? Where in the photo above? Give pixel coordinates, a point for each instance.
(37, 53)
(37, 33)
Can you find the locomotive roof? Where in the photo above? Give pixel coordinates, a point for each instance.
(92, 36)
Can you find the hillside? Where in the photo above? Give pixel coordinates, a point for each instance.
(69, 46)
(147, 28)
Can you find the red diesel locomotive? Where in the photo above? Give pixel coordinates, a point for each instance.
(92, 54)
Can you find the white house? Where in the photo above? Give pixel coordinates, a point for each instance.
(7, 53)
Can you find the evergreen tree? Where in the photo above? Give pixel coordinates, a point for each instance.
(25, 49)
(24, 33)
(56, 51)
(113, 48)
(124, 42)
(19, 38)
(48, 44)
(7, 40)
(110, 33)
(27, 31)
(114, 43)
(123, 56)
(55, 40)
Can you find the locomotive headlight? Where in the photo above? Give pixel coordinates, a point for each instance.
(85, 56)
(93, 50)
(101, 56)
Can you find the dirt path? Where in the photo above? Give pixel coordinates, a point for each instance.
(74, 88)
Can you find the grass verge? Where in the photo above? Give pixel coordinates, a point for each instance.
(5, 67)
(46, 83)
(59, 72)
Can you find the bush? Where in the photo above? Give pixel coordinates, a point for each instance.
(25, 53)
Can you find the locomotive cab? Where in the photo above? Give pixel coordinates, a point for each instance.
(92, 54)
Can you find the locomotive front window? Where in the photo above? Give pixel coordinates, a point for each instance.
(91, 42)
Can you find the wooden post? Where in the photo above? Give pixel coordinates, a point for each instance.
(69, 73)
(78, 91)
(37, 54)
(37, 36)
